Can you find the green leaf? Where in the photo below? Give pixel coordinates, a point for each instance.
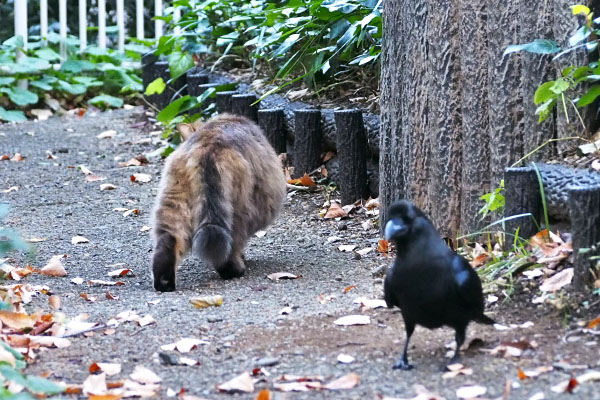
(544, 93)
(171, 111)
(77, 66)
(589, 96)
(47, 54)
(19, 96)
(70, 88)
(538, 46)
(157, 86)
(179, 63)
(560, 86)
(106, 100)
(12, 116)
(88, 81)
(43, 386)
(580, 35)
(580, 9)
(5, 81)
(545, 110)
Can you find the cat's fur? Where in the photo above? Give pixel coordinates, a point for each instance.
(218, 188)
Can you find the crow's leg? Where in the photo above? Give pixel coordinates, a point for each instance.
(460, 339)
(403, 361)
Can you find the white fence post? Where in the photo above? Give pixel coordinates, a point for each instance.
(44, 20)
(82, 25)
(21, 30)
(62, 20)
(158, 24)
(139, 19)
(121, 26)
(176, 17)
(102, 24)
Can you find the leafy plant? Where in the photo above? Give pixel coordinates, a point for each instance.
(571, 89)
(286, 39)
(494, 201)
(96, 74)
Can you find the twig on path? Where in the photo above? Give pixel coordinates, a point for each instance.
(78, 332)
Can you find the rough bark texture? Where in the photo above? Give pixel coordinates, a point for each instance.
(351, 144)
(223, 101)
(241, 104)
(475, 134)
(454, 110)
(307, 142)
(584, 204)
(522, 195)
(272, 122)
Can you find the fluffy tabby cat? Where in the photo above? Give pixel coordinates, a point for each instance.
(220, 186)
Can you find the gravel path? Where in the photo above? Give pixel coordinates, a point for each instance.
(249, 330)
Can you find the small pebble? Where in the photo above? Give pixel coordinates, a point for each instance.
(267, 362)
(168, 359)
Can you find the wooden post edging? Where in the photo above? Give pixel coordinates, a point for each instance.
(223, 101)
(306, 156)
(241, 104)
(584, 214)
(522, 195)
(351, 145)
(272, 122)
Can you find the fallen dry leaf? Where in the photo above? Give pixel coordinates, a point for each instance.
(207, 301)
(142, 178)
(335, 211)
(184, 345)
(108, 368)
(79, 239)
(110, 296)
(345, 382)
(95, 385)
(134, 211)
(17, 320)
(469, 392)
(345, 359)
(54, 302)
(264, 394)
(17, 157)
(349, 320)
(281, 275)
(365, 251)
(93, 178)
(134, 162)
(85, 170)
(347, 248)
(54, 267)
(146, 320)
(10, 189)
(372, 203)
(107, 186)
(557, 281)
(383, 246)
(348, 288)
(100, 282)
(41, 114)
(304, 181)
(77, 281)
(144, 375)
(107, 134)
(455, 370)
(241, 383)
(593, 323)
(260, 234)
(370, 304)
(144, 228)
(120, 272)
(7, 357)
(85, 296)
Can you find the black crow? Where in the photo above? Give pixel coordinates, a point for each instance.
(431, 284)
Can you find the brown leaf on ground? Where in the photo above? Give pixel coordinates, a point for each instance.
(328, 156)
(120, 272)
(264, 394)
(207, 301)
(345, 382)
(144, 375)
(17, 157)
(241, 383)
(17, 320)
(557, 281)
(349, 288)
(383, 246)
(94, 178)
(105, 397)
(107, 186)
(95, 385)
(134, 162)
(335, 211)
(593, 323)
(142, 178)
(304, 181)
(54, 267)
(54, 302)
(108, 368)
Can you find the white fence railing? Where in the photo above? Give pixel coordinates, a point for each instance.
(21, 27)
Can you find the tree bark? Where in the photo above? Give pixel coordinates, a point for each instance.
(307, 142)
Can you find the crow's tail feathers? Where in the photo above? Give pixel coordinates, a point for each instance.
(484, 319)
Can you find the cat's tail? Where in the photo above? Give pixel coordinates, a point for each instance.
(212, 241)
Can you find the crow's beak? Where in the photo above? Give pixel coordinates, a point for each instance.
(395, 227)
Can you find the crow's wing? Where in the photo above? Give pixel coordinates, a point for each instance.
(468, 284)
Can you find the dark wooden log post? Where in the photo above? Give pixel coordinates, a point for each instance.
(584, 213)
(351, 145)
(307, 141)
(223, 101)
(272, 122)
(194, 80)
(155, 70)
(241, 104)
(522, 195)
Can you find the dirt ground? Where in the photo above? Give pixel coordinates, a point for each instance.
(285, 327)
